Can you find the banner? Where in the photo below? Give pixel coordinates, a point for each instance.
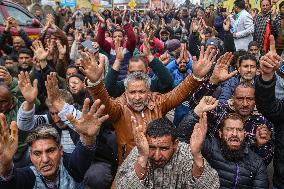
(68, 3)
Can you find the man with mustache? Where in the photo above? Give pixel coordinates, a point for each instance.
(161, 161)
(241, 102)
(51, 167)
(236, 164)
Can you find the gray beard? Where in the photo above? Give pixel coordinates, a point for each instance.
(145, 104)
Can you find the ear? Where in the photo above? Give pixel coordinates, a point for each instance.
(220, 133)
(176, 141)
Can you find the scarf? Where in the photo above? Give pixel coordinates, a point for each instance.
(65, 180)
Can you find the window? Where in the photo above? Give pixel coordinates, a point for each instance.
(1, 18)
(22, 18)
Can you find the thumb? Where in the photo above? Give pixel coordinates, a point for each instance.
(35, 83)
(71, 118)
(232, 74)
(14, 130)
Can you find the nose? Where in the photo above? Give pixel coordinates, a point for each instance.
(137, 96)
(157, 155)
(234, 133)
(45, 158)
(245, 102)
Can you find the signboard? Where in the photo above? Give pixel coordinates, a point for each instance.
(68, 3)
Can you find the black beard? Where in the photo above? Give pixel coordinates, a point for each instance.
(232, 155)
(79, 97)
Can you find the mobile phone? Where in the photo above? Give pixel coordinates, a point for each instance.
(88, 44)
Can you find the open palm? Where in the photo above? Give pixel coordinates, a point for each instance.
(90, 122)
(28, 90)
(91, 68)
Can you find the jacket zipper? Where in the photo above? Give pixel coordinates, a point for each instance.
(237, 175)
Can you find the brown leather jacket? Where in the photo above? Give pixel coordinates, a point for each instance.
(120, 113)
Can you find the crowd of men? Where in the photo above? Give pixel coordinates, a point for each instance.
(86, 104)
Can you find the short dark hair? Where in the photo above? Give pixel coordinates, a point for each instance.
(244, 84)
(263, 0)
(233, 116)
(253, 43)
(236, 57)
(240, 4)
(119, 30)
(247, 56)
(25, 51)
(160, 127)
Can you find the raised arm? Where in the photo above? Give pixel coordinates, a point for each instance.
(93, 71)
(179, 94)
(103, 43)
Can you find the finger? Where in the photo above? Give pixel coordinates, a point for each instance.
(35, 83)
(232, 74)
(72, 119)
(201, 52)
(14, 130)
(103, 118)
(3, 125)
(86, 106)
(272, 43)
(95, 106)
(100, 110)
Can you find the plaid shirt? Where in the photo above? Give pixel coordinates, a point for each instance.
(218, 114)
(260, 23)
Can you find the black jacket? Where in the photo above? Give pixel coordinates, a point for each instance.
(248, 173)
(273, 109)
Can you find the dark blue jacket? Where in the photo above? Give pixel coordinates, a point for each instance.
(76, 164)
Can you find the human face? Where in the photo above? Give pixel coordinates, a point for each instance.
(9, 64)
(233, 133)
(164, 37)
(244, 100)
(182, 66)
(117, 36)
(24, 60)
(54, 115)
(6, 100)
(254, 50)
(70, 41)
(282, 10)
(75, 85)
(137, 95)
(220, 5)
(137, 66)
(17, 43)
(45, 155)
(71, 71)
(161, 149)
(247, 69)
(265, 6)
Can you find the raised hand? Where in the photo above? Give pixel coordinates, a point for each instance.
(270, 62)
(262, 135)
(8, 23)
(52, 90)
(5, 75)
(91, 68)
(88, 125)
(8, 144)
(165, 58)
(141, 142)
(227, 24)
(100, 18)
(39, 52)
(203, 65)
(28, 90)
(118, 51)
(207, 103)
(198, 135)
(221, 69)
(146, 50)
(124, 17)
(196, 25)
(61, 49)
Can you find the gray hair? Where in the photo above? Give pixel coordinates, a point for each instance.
(136, 76)
(43, 132)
